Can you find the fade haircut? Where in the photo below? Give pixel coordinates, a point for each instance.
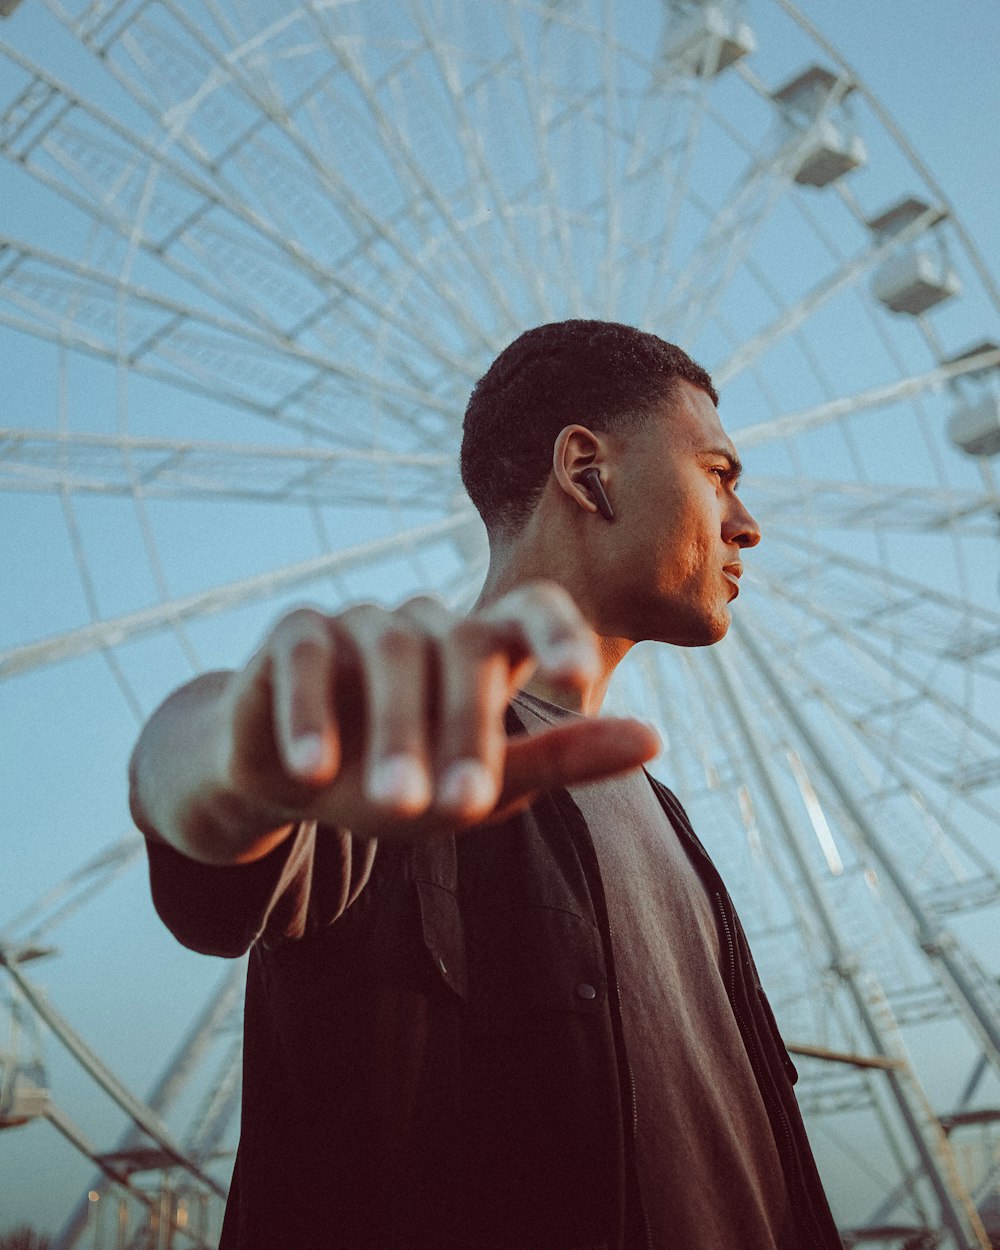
(599, 374)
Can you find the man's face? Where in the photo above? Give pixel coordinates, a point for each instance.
(680, 526)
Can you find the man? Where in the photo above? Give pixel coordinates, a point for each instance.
(490, 1006)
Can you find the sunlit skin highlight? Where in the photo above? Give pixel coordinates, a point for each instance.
(666, 569)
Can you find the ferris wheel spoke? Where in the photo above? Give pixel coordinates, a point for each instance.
(729, 236)
(73, 303)
(973, 991)
(111, 633)
(848, 274)
(193, 213)
(145, 54)
(200, 380)
(398, 149)
(977, 743)
(660, 250)
(609, 269)
(45, 461)
(539, 103)
(946, 867)
(919, 741)
(891, 605)
(478, 169)
(62, 900)
(788, 502)
(822, 414)
(734, 226)
(219, 1107)
(134, 1108)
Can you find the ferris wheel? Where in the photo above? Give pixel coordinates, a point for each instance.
(257, 255)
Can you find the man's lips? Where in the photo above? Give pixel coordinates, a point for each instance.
(733, 572)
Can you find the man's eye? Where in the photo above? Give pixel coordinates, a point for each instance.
(725, 473)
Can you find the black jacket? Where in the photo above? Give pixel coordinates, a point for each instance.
(443, 1067)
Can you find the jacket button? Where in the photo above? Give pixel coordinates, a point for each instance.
(585, 990)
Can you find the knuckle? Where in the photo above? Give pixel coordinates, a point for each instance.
(397, 641)
(427, 615)
(299, 623)
(425, 604)
(306, 650)
(359, 617)
(470, 636)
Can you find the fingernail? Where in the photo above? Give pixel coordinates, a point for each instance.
(307, 754)
(466, 784)
(400, 781)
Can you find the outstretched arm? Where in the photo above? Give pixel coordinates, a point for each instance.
(386, 723)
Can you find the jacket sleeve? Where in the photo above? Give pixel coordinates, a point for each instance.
(224, 910)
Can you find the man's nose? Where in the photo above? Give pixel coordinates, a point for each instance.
(741, 528)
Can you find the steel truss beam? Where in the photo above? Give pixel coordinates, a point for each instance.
(111, 317)
(937, 826)
(958, 1214)
(69, 895)
(940, 898)
(163, 468)
(248, 149)
(111, 633)
(133, 1107)
(787, 322)
(972, 629)
(970, 988)
(34, 123)
(216, 1016)
(792, 503)
(889, 671)
(878, 397)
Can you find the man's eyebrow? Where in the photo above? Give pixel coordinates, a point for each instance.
(735, 464)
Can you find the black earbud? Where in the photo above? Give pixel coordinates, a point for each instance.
(591, 478)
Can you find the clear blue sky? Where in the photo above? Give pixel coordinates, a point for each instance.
(66, 732)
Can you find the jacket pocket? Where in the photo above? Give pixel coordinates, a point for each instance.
(533, 961)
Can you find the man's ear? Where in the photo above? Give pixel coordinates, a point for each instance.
(575, 451)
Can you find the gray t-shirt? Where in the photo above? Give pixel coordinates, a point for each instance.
(702, 1130)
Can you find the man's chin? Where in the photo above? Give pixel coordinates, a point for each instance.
(699, 633)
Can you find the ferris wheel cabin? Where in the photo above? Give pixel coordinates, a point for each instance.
(819, 143)
(974, 424)
(917, 274)
(705, 39)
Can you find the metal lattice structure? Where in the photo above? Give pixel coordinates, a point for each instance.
(260, 254)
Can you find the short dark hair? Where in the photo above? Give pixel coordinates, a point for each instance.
(599, 374)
